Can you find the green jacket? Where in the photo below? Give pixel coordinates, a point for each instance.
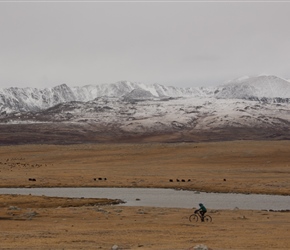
(202, 208)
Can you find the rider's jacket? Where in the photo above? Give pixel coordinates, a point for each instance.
(202, 208)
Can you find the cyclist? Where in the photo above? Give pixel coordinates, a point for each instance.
(202, 210)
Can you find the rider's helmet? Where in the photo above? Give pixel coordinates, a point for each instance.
(200, 204)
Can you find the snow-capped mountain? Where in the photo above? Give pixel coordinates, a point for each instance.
(33, 99)
(255, 88)
(264, 88)
(246, 108)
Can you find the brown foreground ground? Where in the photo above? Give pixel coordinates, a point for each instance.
(28, 222)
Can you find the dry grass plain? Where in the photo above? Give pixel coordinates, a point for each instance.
(247, 167)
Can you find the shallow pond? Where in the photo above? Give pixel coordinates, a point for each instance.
(158, 197)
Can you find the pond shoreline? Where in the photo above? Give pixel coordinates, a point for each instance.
(162, 197)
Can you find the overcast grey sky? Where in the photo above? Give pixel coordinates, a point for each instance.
(44, 44)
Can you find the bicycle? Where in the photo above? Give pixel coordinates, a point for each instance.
(197, 216)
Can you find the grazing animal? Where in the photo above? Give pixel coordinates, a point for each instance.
(100, 179)
(189, 180)
(183, 180)
(177, 180)
(170, 180)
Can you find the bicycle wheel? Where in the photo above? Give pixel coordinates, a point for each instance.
(207, 218)
(193, 218)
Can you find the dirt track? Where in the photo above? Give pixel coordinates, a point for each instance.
(242, 166)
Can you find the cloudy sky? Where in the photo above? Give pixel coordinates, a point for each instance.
(180, 43)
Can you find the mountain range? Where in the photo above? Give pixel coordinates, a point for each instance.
(245, 108)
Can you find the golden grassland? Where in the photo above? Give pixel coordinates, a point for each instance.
(61, 223)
